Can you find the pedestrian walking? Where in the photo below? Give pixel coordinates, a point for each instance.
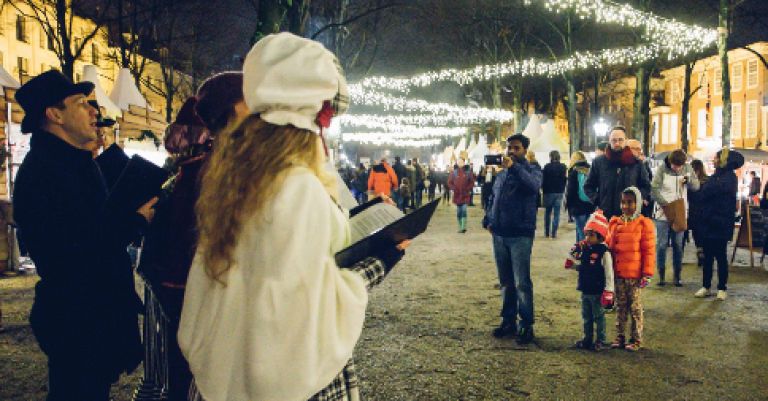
(577, 200)
(632, 240)
(717, 220)
(673, 180)
(360, 184)
(267, 322)
(381, 181)
(405, 194)
(461, 181)
(553, 187)
(592, 259)
(511, 220)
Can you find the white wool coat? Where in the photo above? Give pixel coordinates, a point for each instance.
(287, 320)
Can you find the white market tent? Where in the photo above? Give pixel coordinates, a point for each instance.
(478, 152)
(125, 92)
(549, 140)
(7, 80)
(91, 74)
(533, 130)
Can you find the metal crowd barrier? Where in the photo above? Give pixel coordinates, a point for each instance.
(154, 384)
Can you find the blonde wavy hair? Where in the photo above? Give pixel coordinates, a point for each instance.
(246, 170)
(577, 156)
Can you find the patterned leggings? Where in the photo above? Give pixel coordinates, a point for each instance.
(628, 301)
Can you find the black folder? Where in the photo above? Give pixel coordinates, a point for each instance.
(112, 162)
(140, 181)
(404, 228)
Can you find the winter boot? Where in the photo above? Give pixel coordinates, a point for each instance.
(463, 225)
(661, 282)
(678, 273)
(458, 219)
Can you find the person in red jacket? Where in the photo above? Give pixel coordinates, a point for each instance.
(632, 240)
(461, 181)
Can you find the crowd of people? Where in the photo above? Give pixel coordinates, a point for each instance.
(241, 251)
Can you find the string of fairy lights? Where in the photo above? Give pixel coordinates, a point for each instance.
(662, 37)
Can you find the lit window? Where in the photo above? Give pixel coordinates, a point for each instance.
(751, 74)
(752, 119)
(737, 77)
(703, 86)
(736, 120)
(21, 29)
(717, 82)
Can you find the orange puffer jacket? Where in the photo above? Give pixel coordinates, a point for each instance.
(633, 245)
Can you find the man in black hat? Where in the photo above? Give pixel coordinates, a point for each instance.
(85, 312)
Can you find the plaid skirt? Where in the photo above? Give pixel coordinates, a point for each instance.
(344, 387)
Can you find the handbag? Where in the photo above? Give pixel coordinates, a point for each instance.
(675, 213)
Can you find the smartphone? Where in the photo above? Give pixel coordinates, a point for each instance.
(493, 160)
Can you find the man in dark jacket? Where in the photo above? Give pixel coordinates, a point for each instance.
(511, 219)
(614, 171)
(553, 187)
(85, 312)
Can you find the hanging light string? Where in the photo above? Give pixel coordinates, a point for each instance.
(392, 121)
(359, 96)
(351, 120)
(378, 138)
(665, 37)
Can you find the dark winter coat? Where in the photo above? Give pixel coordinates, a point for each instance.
(610, 175)
(461, 181)
(554, 178)
(513, 208)
(718, 211)
(171, 239)
(695, 206)
(361, 180)
(591, 271)
(400, 171)
(85, 306)
(576, 206)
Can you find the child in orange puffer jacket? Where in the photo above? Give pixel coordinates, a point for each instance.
(632, 240)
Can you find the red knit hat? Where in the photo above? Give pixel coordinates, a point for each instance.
(597, 223)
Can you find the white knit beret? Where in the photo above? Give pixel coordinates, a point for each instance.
(286, 79)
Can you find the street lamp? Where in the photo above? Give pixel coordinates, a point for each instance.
(601, 127)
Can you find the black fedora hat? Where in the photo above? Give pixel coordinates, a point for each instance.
(101, 121)
(43, 91)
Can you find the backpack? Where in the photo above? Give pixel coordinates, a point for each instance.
(582, 179)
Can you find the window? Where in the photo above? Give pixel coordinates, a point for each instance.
(22, 66)
(43, 38)
(51, 44)
(737, 77)
(752, 119)
(701, 124)
(655, 129)
(717, 122)
(703, 86)
(717, 81)
(21, 29)
(751, 74)
(94, 54)
(665, 129)
(674, 132)
(736, 120)
(676, 97)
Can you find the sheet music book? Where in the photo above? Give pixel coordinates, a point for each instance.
(380, 226)
(139, 181)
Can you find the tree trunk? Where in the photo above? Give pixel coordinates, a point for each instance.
(496, 98)
(641, 107)
(722, 49)
(573, 129)
(67, 59)
(269, 18)
(686, 105)
(298, 14)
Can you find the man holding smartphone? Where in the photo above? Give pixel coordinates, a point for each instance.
(511, 219)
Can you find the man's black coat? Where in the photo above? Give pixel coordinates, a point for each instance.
(86, 308)
(610, 175)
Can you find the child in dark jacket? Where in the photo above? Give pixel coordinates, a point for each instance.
(592, 259)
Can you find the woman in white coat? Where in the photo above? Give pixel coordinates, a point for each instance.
(268, 315)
